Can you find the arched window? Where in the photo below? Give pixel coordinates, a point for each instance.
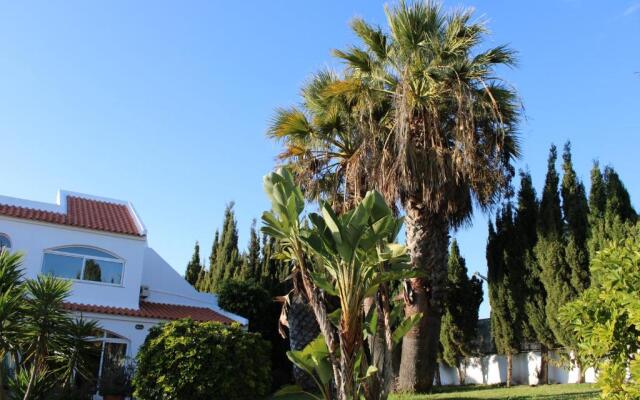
(83, 263)
(110, 352)
(113, 350)
(5, 243)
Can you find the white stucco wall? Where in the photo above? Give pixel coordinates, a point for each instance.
(125, 327)
(33, 238)
(492, 369)
(167, 286)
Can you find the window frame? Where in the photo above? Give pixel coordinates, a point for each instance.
(8, 239)
(103, 340)
(59, 251)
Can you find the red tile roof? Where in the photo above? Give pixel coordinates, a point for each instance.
(154, 311)
(82, 213)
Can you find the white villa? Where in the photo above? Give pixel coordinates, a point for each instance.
(101, 246)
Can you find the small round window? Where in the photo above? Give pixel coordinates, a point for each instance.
(4, 241)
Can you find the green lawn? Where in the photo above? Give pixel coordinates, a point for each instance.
(547, 392)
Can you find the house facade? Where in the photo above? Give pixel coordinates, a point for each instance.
(100, 245)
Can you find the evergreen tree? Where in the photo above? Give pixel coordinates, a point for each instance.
(274, 271)
(618, 199)
(597, 195)
(247, 283)
(460, 318)
(194, 267)
(251, 263)
(550, 252)
(214, 250)
(611, 214)
(506, 287)
(204, 283)
(225, 258)
(575, 210)
(203, 278)
(536, 328)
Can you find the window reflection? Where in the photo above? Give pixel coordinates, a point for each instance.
(111, 352)
(5, 243)
(71, 263)
(62, 266)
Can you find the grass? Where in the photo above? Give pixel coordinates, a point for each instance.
(546, 392)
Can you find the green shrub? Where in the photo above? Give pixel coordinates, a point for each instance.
(184, 360)
(248, 299)
(605, 319)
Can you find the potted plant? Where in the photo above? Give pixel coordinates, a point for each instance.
(115, 382)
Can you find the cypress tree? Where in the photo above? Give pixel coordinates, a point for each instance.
(535, 325)
(194, 267)
(225, 256)
(575, 210)
(214, 249)
(618, 199)
(598, 194)
(611, 214)
(205, 280)
(251, 265)
(550, 252)
(460, 317)
(274, 271)
(506, 289)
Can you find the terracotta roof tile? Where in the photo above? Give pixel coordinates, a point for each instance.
(154, 311)
(82, 213)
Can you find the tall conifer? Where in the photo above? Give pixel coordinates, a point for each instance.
(227, 258)
(611, 214)
(506, 287)
(536, 326)
(460, 317)
(550, 251)
(575, 210)
(618, 199)
(251, 264)
(194, 267)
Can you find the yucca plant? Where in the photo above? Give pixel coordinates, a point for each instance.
(11, 302)
(351, 256)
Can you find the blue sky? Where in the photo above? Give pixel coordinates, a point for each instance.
(166, 103)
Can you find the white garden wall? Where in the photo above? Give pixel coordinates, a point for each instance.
(492, 369)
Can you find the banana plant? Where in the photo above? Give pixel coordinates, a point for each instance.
(354, 255)
(286, 223)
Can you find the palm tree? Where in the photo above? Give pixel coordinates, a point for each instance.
(11, 300)
(450, 142)
(324, 143)
(436, 130)
(322, 147)
(46, 323)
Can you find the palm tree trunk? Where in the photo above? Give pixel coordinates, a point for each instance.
(377, 349)
(303, 329)
(427, 242)
(509, 369)
(322, 317)
(349, 346)
(544, 365)
(387, 375)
